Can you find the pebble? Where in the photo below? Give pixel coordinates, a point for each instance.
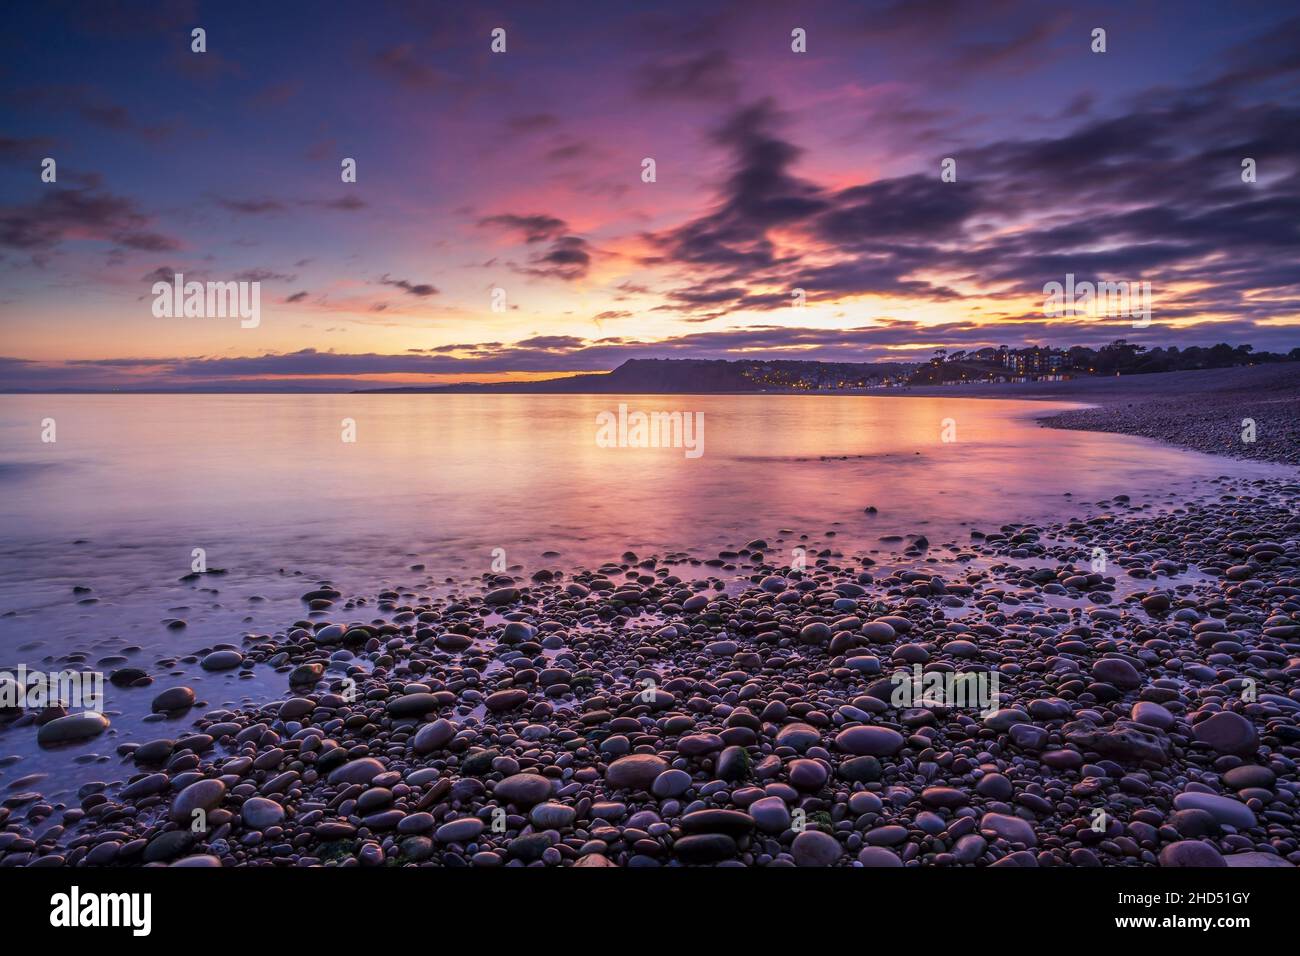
(869, 741)
(634, 772)
(1227, 733)
(523, 789)
(1009, 828)
(459, 831)
(362, 770)
(1191, 853)
(1224, 809)
(73, 727)
(260, 813)
(174, 698)
(204, 795)
(222, 661)
(814, 848)
(433, 736)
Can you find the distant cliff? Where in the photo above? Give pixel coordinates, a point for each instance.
(695, 375)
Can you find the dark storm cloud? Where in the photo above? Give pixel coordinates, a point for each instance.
(161, 274)
(253, 207)
(268, 206)
(1156, 194)
(339, 204)
(909, 207)
(707, 295)
(1153, 194)
(551, 343)
(565, 151)
(145, 241)
(533, 228)
(263, 275)
(759, 194)
(693, 77)
(568, 258)
(419, 289)
(64, 213)
(762, 193)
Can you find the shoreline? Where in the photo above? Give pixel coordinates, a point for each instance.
(626, 715)
(1205, 410)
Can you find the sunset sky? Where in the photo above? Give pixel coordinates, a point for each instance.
(522, 170)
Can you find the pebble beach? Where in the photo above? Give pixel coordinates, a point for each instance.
(660, 710)
(1251, 413)
(1246, 412)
